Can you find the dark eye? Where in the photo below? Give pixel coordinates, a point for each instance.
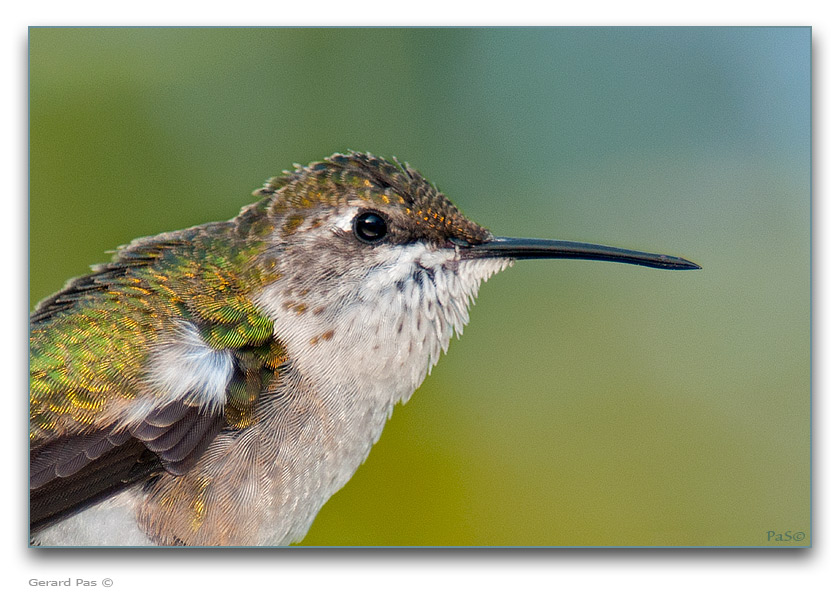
(370, 227)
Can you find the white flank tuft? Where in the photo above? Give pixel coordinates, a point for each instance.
(184, 367)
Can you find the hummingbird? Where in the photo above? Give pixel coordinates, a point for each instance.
(215, 386)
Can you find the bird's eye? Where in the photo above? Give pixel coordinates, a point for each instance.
(370, 227)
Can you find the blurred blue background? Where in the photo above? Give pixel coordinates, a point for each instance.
(588, 403)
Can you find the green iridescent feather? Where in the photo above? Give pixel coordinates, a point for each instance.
(89, 342)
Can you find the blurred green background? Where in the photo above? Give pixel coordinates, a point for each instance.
(588, 403)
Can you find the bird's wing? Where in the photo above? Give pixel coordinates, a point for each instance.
(112, 470)
(134, 369)
(72, 472)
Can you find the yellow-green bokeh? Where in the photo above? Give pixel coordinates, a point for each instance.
(588, 403)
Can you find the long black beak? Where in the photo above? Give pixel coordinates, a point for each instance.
(534, 249)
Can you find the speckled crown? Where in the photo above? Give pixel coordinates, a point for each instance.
(416, 207)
